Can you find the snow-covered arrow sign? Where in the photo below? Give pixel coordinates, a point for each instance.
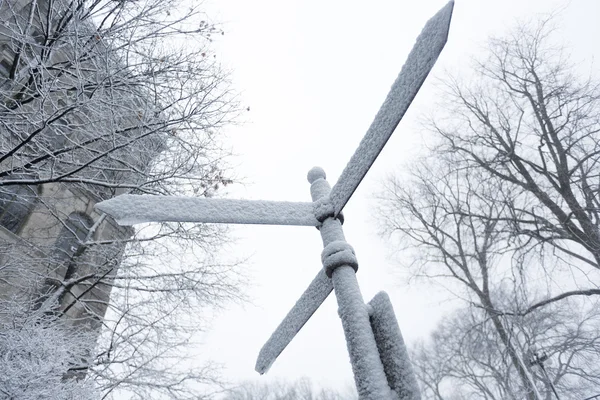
(419, 63)
(377, 354)
(129, 209)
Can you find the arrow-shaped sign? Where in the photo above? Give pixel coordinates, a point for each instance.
(312, 298)
(392, 351)
(420, 61)
(130, 209)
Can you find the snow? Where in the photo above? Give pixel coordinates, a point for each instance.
(336, 254)
(323, 208)
(316, 173)
(369, 375)
(318, 290)
(420, 61)
(392, 350)
(131, 209)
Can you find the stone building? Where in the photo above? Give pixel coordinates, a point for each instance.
(55, 119)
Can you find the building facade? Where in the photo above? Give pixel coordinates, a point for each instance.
(68, 141)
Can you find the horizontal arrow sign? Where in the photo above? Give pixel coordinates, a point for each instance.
(129, 209)
(420, 61)
(305, 307)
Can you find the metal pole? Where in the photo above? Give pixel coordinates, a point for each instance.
(530, 379)
(541, 364)
(369, 375)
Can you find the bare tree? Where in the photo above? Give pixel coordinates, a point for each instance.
(463, 358)
(98, 98)
(37, 353)
(531, 123)
(440, 216)
(505, 213)
(87, 82)
(447, 224)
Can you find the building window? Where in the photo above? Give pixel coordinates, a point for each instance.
(5, 66)
(16, 203)
(72, 234)
(58, 132)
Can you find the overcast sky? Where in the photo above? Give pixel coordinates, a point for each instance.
(314, 74)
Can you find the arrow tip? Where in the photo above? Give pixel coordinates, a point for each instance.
(445, 15)
(262, 364)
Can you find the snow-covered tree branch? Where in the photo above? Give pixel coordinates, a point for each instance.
(504, 213)
(99, 98)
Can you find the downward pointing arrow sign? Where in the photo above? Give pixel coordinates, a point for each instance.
(318, 290)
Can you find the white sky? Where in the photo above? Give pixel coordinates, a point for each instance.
(314, 73)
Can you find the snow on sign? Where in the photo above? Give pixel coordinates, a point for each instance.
(378, 356)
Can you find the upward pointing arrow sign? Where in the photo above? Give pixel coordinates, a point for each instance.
(419, 63)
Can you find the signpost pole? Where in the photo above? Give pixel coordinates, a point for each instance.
(340, 263)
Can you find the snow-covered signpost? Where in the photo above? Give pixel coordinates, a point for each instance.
(375, 345)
